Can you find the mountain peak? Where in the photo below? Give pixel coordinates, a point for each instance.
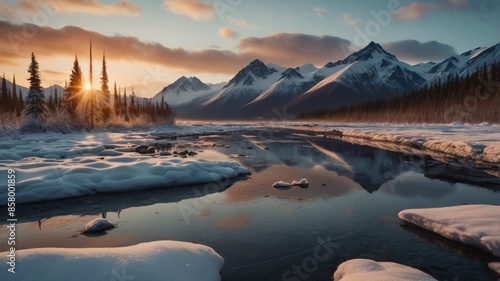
(291, 73)
(372, 50)
(255, 69)
(184, 84)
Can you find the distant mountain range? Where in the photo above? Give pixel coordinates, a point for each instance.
(49, 91)
(258, 90)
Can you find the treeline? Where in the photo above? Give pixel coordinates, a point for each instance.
(79, 106)
(474, 98)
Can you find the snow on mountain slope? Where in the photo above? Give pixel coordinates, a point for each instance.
(244, 87)
(185, 90)
(370, 73)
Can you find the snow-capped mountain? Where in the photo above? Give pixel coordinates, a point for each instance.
(292, 83)
(185, 90)
(370, 73)
(243, 88)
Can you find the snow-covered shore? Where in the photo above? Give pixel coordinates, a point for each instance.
(159, 260)
(473, 225)
(52, 166)
(479, 142)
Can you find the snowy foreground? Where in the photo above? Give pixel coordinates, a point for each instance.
(478, 142)
(52, 166)
(153, 261)
(369, 270)
(39, 179)
(474, 225)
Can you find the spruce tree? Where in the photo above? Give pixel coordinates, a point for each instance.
(15, 101)
(104, 100)
(116, 101)
(125, 106)
(36, 105)
(74, 92)
(4, 97)
(56, 98)
(21, 103)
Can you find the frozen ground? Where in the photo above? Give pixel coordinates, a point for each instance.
(52, 166)
(160, 260)
(478, 142)
(474, 225)
(369, 270)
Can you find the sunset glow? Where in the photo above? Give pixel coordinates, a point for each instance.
(150, 44)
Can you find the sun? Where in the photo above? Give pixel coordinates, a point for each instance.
(87, 86)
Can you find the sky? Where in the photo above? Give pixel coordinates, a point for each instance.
(149, 44)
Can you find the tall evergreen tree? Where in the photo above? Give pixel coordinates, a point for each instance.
(21, 103)
(56, 98)
(36, 105)
(104, 100)
(14, 94)
(74, 91)
(116, 101)
(4, 97)
(125, 106)
(92, 98)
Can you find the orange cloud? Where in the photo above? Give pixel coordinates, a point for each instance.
(18, 41)
(31, 7)
(194, 9)
(287, 49)
(227, 33)
(416, 10)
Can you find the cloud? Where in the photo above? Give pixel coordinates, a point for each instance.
(31, 7)
(415, 51)
(416, 10)
(349, 20)
(18, 41)
(194, 9)
(227, 33)
(294, 49)
(319, 11)
(238, 22)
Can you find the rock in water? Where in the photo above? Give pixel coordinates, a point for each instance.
(98, 225)
(304, 183)
(281, 184)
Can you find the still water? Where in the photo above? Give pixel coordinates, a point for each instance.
(348, 211)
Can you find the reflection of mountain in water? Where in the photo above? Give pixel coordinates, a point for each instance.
(369, 167)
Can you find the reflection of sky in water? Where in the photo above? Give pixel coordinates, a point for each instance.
(354, 196)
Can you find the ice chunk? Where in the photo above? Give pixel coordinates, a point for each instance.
(97, 225)
(281, 184)
(474, 225)
(369, 270)
(302, 183)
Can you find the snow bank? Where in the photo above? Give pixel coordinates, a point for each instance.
(153, 261)
(478, 142)
(40, 179)
(474, 225)
(369, 270)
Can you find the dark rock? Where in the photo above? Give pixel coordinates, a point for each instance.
(144, 149)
